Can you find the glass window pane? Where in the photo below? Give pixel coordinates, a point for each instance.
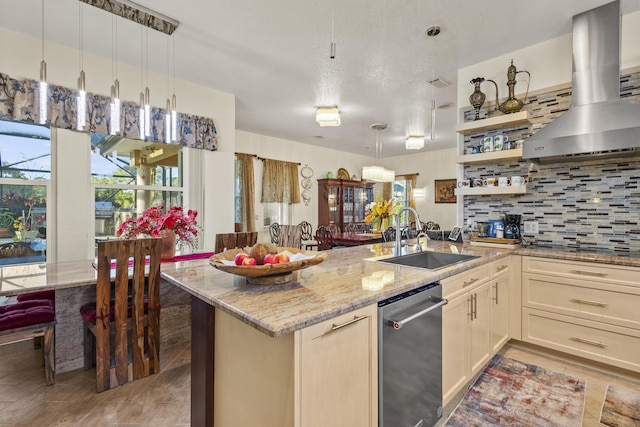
(25, 151)
(23, 223)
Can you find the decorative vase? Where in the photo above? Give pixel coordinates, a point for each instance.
(168, 244)
(383, 224)
(477, 97)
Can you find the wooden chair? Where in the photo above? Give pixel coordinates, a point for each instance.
(430, 225)
(290, 236)
(324, 237)
(121, 313)
(389, 235)
(235, 240)
(307, 236)
(357, 227)
(332, 228)
(274, 230)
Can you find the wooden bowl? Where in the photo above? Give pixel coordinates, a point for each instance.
(270, 274)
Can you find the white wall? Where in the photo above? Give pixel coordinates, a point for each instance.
(430, 165)
(548, 62)
(321, 160)
(211, 175)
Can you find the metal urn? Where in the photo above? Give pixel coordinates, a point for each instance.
(477, 97)
(512, 104)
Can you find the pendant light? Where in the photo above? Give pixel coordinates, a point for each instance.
(141, 109)
(147, 105)
(81, 100)
(378, 173)
(43, 88)
(114, 124)
(167, 111)
(174, 113)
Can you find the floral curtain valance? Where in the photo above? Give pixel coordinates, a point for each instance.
(19, 101)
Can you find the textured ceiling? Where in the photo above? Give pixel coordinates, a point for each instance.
(274, 56)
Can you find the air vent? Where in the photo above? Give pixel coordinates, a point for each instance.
(439, 83)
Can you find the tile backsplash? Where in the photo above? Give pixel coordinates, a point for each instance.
(593, 205)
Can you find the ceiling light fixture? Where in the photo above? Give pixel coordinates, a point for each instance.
(81, 108)
(378, 173)
(43, 94)
(174, 113)
(114, 124)
(415, 142)
(147, 105)
(328, 116)
(332, 55)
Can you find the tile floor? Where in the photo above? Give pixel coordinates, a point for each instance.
(164, 399)
(158, 400)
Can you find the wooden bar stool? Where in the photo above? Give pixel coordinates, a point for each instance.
(121, 312)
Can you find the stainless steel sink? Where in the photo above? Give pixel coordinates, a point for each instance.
(429, 260)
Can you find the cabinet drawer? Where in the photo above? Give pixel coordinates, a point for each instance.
(606, 273)
(500, 267)
(609, 344)
(462, 282)
(613, 304)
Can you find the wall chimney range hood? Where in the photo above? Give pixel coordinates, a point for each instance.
(598, 124)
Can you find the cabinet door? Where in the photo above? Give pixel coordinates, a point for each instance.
(499, 312)
(335, 205)
(455, 336)
(480, 328)
(337, 372)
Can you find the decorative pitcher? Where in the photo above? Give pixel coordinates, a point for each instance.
(512, 104)
(477, 97)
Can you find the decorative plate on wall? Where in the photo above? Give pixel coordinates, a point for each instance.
(306, 171)
(306, 183)
(343, 174)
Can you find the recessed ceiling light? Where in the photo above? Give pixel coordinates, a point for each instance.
(433, 31)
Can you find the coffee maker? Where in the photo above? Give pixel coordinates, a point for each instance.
(512, 226)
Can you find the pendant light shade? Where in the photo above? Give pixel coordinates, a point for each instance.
(43, 88)
(378, 173)
(414, 142)
(114, 127)
(328, 116)
(141, 119)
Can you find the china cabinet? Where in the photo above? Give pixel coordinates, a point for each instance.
(342, 201)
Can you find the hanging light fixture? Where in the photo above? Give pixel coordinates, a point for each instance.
(378, 173)
(328, 116)
(81, 100)
(114, 127)
(174, 113)
(414, 142)
(43, 88)
(147, 105)
(332, 55)
(141, 109)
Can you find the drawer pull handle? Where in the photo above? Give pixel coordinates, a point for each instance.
(470, 282)
(589, 273)
(594, 303)
(593, 343)
(335, 327)
(502, 267)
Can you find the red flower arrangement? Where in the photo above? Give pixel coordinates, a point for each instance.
(153, 220)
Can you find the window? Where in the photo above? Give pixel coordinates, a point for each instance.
(130, 176)
(25, 176)
(403, 193)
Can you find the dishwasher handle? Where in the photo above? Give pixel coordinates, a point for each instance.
(397, 324)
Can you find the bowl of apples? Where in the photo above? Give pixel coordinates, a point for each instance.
(266, 264)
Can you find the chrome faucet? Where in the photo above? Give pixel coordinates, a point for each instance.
(398, 246)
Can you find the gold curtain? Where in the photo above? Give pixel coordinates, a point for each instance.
(411, 179)
(386, 190)
(280, 182)
(247, 190)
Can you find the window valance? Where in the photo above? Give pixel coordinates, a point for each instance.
(19, 101)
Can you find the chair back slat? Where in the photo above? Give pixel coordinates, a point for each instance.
(290, 236)
(129, 294)
(325, 239)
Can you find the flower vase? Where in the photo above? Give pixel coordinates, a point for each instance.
(168, 244)
(383, 224)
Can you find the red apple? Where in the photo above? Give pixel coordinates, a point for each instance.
(283, 257)
(249, 261)
(271, 259)
(240, 256)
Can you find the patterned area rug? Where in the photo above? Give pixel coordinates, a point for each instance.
(621, 408)
(513, 393)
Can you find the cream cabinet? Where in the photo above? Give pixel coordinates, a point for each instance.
(585, 309)
(336, 372)
(500, 301)
(475, 324)
(323, 375)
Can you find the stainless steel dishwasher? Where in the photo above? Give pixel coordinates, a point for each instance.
(410, 358)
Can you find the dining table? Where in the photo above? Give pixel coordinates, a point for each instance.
(357, 239)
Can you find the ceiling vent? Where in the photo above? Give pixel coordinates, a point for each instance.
(439, 83)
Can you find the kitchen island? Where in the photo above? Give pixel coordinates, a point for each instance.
(258, 340)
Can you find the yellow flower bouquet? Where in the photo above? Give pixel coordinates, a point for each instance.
(380, 212)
